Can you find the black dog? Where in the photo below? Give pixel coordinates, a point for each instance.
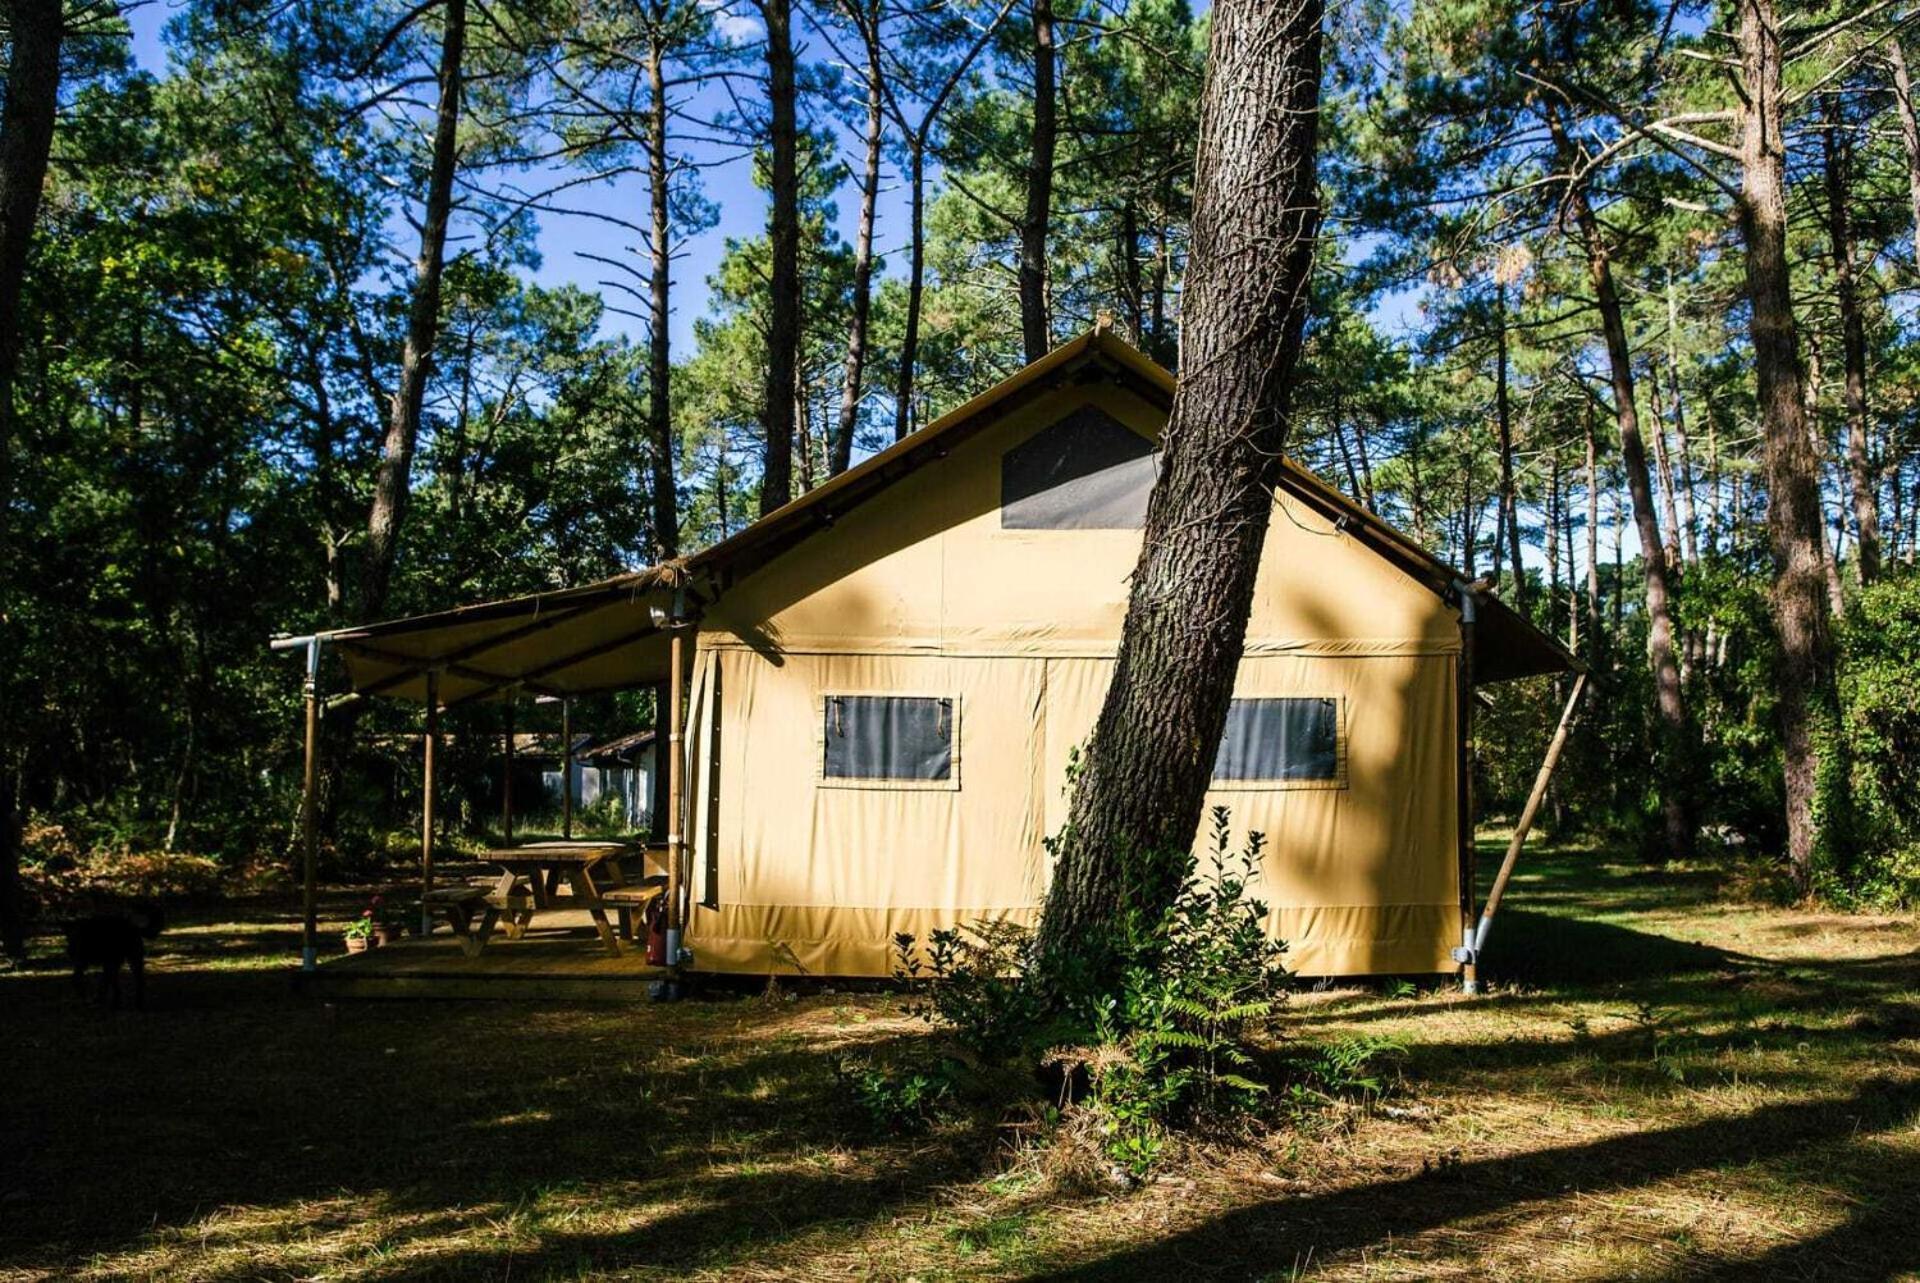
(110, 941)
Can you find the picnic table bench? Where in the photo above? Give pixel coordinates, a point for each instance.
(545, 865)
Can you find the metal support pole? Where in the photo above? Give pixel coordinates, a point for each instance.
(1547, 764)
(309, 840)
(1463, 799)
(676, 819)
(566, 768)
(430, 753)
(506, 776)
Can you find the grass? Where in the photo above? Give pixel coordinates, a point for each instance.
(1662, 1083)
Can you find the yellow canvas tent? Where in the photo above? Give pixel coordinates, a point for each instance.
(886, 681)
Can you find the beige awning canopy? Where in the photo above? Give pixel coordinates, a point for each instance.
(598, 637)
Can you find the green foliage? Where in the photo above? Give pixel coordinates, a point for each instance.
(1880, 730)
(895, 1100)
(1172, 1045)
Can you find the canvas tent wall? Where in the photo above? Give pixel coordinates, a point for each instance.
(966, 588)
(961, 585)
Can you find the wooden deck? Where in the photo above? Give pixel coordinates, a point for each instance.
(558, 960)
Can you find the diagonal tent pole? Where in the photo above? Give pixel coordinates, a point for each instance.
(1555, 747)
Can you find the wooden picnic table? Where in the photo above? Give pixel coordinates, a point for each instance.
(546, 864)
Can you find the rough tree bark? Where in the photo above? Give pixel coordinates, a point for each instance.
(783, 233)
(666, 506)
(1837, 169)
(842, 448)
(1676, 734)
(392, 478)
(26, 140)
(1793, 490)
(1256, 211)
(1035, 332)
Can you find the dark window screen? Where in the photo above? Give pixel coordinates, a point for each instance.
(1280, 739)
(1089, 471)
(889, 737)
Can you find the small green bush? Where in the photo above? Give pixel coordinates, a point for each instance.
(901, 1101)
(1171, 1045)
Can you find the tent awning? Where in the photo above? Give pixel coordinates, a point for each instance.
(603, 636)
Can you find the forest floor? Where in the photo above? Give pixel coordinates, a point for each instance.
(1663, 1083)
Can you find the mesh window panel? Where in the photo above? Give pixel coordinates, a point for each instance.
(1089, 471)
(1280, 739)
(889, 737)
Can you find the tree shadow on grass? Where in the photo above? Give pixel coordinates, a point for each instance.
(718, 1124)
(1551, 951)
(1268, 1238)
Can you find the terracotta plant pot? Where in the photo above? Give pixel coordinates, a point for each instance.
(358, 944)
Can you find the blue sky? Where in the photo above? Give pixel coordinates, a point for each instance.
(728, 184)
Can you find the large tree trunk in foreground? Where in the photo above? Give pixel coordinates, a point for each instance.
(666, 506)
(783, 231)
(842, 448)
(1034, 328)
(392, 479)
(26, 140)
(1256, 210)
(1837, 158)
(1677, 741)
(1793, 490)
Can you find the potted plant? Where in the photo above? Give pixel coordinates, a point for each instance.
(388, 922)
(359, 933)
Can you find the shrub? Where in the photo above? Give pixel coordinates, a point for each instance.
(1170, 1045)
(902, 1100)
(1880, 728)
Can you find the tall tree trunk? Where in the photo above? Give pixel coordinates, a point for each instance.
(1837, 157)
(666, 505)
(1663, 465)
(1256, 211)
(1035, 330)
(1552, 533)
(1909, 129)
(842, 451)
(1509, 492)
(1593, 534)
(26, 141)
(1807, 698)
(1691, 544)
(783, 233)
(1677, 746)
(916, 285)
(393, 477)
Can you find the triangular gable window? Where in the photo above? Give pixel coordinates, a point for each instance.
(1089, 471)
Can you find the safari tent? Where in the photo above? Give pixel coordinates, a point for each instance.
(873, 694)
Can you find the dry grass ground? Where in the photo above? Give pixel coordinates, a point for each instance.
(1662, 1084)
